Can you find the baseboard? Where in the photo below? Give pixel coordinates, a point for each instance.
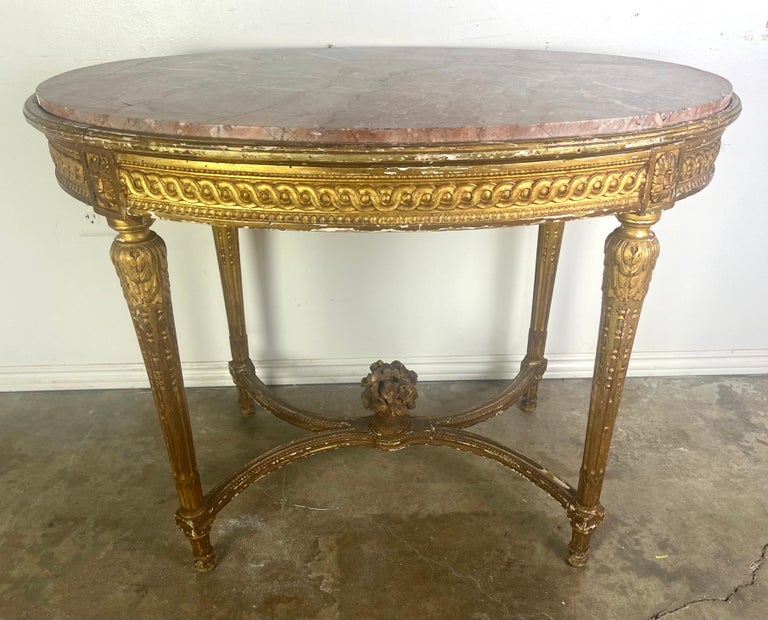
(290, 372)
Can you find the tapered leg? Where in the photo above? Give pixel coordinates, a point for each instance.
(630, 255)
(547, 254)
(228, 255)
(140, 260)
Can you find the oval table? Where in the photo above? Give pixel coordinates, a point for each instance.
(383, 139)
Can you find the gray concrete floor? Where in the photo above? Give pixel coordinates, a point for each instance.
(87, 505)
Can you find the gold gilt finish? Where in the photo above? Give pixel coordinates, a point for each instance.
(374, 188)
(630, 256)
(139, 258)
(228, 255)
(547, 255)
(130, 177)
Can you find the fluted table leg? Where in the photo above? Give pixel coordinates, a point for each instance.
(547, 254)
(139, 257)
(630, 255)
(228, 256)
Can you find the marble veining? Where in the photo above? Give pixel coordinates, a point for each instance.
(385, 95)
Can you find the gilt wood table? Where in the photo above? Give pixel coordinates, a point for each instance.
(383, 139)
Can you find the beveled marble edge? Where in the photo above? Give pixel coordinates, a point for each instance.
(103, 96)
(428, 135)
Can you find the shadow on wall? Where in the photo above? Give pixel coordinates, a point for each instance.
(255, 247)
(406, 295)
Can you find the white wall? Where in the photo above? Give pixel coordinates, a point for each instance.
(462, 302)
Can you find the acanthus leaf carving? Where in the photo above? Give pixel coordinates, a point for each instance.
(663, 178)
(631, 264)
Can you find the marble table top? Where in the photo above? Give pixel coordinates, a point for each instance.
(385, 95)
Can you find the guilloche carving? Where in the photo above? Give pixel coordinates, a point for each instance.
(378, 194)
(542, 180)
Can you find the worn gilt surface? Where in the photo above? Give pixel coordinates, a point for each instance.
(630, 256)
(130, 177)
(139, 257)
(407, 200)
(389, 390)
(350, 186)
(547, 256)
(227, 245)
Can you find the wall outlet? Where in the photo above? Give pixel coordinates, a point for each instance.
(94, 225)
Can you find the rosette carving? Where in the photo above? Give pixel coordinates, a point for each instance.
(664, 178)
(389, 390)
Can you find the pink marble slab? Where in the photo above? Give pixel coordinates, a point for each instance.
(385, 95)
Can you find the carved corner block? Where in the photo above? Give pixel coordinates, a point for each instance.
(101, 171)
(663, 175)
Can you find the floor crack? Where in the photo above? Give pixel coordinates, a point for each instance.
(754, 567)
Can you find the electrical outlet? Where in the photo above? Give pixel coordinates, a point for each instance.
(94, 225)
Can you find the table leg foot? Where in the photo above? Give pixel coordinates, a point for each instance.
(578, 549)
(530, 399)
(584, 522)
(205, 557)
(197, 529)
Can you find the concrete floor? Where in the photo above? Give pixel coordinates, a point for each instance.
(87, 528)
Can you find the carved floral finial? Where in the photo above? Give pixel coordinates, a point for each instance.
(389, 391)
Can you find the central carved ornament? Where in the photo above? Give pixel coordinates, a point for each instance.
(389, 390)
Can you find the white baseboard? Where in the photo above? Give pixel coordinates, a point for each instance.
(350, 370)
